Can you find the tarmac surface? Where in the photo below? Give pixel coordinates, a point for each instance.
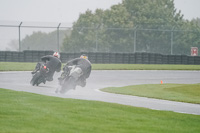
(20, 81)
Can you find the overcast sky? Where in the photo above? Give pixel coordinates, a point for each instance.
(63, 11)
(69, 10)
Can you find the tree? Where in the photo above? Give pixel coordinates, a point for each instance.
(84, 33)
(43, 41)
(149, 25)
(13, 45)
(90, 32)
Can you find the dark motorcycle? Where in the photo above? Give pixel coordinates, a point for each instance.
(69, 79)
(40, 76)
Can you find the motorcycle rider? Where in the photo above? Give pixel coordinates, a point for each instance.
(52, 62)
(84, 64)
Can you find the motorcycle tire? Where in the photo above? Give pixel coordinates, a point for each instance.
(34, 78)
(68, 84)
(37, 79)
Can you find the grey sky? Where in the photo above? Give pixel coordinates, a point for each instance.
(69, 10)
(189, 8)
(49, 10)
(64, 11)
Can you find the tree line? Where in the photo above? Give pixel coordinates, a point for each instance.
(130, 26)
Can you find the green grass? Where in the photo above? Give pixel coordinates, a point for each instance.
(19, 66)
(176, 92)
(144, 67)
(23, 112)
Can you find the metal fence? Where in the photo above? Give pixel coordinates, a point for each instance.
(169, 41)
(12, 35)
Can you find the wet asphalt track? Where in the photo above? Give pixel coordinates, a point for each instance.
(100, 79)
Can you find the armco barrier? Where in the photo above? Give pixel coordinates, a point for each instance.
(103, 58)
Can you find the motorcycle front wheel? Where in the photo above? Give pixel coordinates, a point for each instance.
(37, 79)
(68, 84)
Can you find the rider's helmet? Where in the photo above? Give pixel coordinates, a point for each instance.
(84, 56)
(56, 54)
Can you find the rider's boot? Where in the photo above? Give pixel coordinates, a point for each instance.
(33, 72)
(37, 68)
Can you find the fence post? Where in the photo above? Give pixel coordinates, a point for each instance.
(172, 40)
(96, 40)
(20, 36)
(58, 37)
(135, 37)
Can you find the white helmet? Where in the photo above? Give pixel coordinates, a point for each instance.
(56, 54)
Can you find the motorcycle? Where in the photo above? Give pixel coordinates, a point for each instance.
(69, 79)
(40, 76)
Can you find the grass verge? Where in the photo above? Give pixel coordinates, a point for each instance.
(23, 112)
(176, 92)
(21, 66)
(17, 66)
(144, 67)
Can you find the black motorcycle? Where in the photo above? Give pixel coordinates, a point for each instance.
(40, 76)
(69, 79)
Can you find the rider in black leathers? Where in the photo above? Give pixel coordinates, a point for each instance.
(52, 62)
(85, 66)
